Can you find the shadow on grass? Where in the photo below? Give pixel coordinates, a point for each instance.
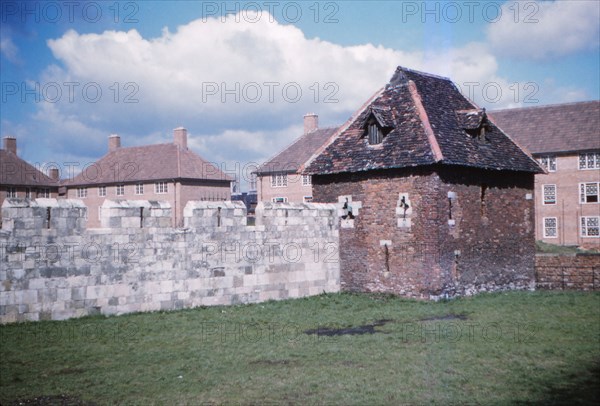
(576, 389)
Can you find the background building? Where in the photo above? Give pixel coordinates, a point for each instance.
(162, 172)
(278, 179)
(565, 138)
(21, 179)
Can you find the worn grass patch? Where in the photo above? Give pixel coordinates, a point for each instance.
(504, 348)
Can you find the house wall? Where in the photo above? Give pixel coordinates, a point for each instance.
(198, 191)
(177, 196)
(52, 267)
(21, 192)
(490, 246)
(295, 192)
(568, 208)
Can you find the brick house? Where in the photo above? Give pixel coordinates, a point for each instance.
(435, 200)
(278, 179)
(20, 179)
(162, 172)
(566, 140)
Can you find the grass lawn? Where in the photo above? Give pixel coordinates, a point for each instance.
(502, 348)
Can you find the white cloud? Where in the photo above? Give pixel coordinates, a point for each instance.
(545, 29)
(183, 78)
(9, 49)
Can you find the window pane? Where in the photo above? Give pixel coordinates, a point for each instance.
(550, 227)
(549, 194)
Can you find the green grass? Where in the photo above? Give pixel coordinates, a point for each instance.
(516, 347)
(543, 247)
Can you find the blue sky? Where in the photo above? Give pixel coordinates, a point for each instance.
(240, 75)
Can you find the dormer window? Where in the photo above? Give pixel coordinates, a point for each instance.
(475, 123)
(375, 135)
(377, 124)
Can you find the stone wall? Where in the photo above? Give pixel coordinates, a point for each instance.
(52, 267)
(434, 232)
(572, 272)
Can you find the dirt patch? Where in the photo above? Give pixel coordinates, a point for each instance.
(364, 329)
(54, 400)
(450, 316)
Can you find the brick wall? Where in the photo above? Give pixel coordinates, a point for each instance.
(52, 267)
(488, 244)
(577, 272)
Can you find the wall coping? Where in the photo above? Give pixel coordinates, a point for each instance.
(127, 204)
(13, 202)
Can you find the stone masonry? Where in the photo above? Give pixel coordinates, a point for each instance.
(52, 267)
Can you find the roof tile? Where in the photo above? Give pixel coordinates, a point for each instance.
(553, 128)
(148, 163)
(430, 119)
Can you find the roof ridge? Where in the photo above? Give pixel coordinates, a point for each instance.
(433, 142)
(431, 75)
(545, 106)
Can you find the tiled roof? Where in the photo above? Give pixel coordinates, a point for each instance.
(147, 163)
(295, 155)
(553, 128)
(432, 122)
(15, 171)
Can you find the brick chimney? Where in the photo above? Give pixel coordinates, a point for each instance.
(114, 142)
(10, 144)
(53, 174)
(180, 137)
(311, 122)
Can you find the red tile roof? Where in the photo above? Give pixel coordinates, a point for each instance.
(148, 163)
(15, 171)
(553, 128)
(432, 123)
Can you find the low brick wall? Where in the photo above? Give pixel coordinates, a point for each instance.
(573, 272)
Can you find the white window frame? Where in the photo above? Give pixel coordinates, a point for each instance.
(306, 180)
(139, 189)
(587, 158)
(120, 190)
(161, 188)
(583, 192)
(102, 191)
(82, 192)
(279, 180)
(44, 192)
(549, 162)
(11, 191)
(547, 227)
(585, 227)
(280, 199)
(548, 202)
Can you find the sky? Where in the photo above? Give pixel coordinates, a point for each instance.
(240, 76)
